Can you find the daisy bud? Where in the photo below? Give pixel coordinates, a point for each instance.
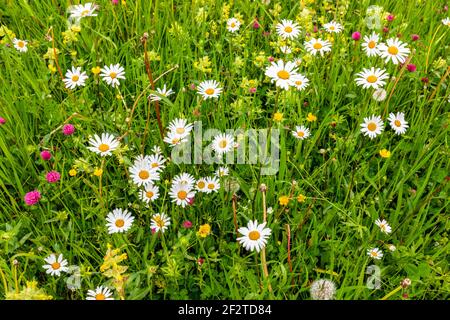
(405, 283)
(356, 35)
(411, 67)
(53, 176)
(15, 262)
(187, 224)
(46, 155)
(385, 29)
(323, 290)
(32, 197)
(2, 120)
(68, 129)
(415, 37)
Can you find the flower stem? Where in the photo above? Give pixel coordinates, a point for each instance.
(263, 251)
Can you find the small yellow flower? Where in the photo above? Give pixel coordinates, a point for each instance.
(284, 200)
(119, 97)
(52, 68)
(75, 28)
(278, 116)
(311, 117)
(72, 172)
(95, 70)
(204, 230)
(98, 172)
(385, 153)
(301, 198)
(73, 53)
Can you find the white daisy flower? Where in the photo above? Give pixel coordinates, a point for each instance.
(160, 222)
(20, 45)
(112, 74)
(83, 10)
(379, 94)
(103, 145)
(151, 193)
(233, 25)
(209, 89)
(446, 22)
(142, 173)
(100, 293)
(333, 26)
(285, 49)
(55, 265)
(181, 194)
(200, 185)
(254, 236)
(370, 44)
(180, 127)
(301, 83)
(173, 139)
(184, 179)
(288, 29)
(375, 253)
(371, 78)
(284, 75)
(156, 150)
(384, 226)
(119, 221)
(372, 126)
(301, 132)
(221, 172)
(397, 122)
(156, 162)
(392, 248)
(163, 92)
(394, 50)
(212, 184)
(75, 78)
(318, 45)
(222, 143)
(298, 61)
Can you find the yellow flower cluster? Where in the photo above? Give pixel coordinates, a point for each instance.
(203, 64)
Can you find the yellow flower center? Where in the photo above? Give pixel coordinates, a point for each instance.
(254, 235)
(288, 29)
(120, 223)
(103, 147)
(393, 50)
(21, 44)
(75, 78)
(223, 144)
(211, 186)
(182, 195)
(175, 140)
(372, 126)
(201, 184)
(397, 123)
(283, 74)
(317, 46)
(372, 44)
(84, 12)
(113, 75)
(100, 296)
(55, 265)
(144, 174)
(155, 165)
(159, 222)
(180, 130)
(233, 24)
(149, 194)
(209, 91)
(374, 254)
(300, 134)
(332, 28)
(298, 82)
(372, 79)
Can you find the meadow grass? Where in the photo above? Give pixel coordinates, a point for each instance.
(346, 183)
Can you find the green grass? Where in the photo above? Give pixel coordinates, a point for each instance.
(347, 187)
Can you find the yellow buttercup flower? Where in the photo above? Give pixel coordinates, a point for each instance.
(283, 200)
(204, 230)
(98, 172)
(301, 198)
(72, 172)
(278, 116)
(311, 117)
(95, 70)
(385, 153)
